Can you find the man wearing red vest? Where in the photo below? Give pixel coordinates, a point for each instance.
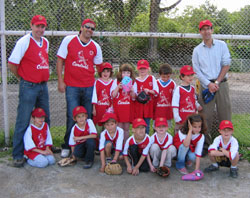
(29, 62)
(77, 55)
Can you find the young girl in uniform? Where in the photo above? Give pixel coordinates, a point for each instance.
(37, 141)
(101, 99)
(123, 100)
(148, 84)
(189, 142)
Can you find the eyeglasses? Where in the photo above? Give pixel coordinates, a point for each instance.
(88, 27)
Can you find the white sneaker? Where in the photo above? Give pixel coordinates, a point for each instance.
(65, 153)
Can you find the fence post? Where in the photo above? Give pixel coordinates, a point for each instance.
(4, 75)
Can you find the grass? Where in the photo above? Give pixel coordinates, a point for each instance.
(241, 133)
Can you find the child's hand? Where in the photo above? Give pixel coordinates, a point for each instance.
(190, 127)
(135, 171)
(199, 108)
(94, 112)
(152, 169)
(129, 169)
(120, 85)
(102, 169)
(147, 90)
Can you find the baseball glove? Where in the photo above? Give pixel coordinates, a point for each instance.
(143, 97)
(163, 171)
(113, 169)
(69, 161)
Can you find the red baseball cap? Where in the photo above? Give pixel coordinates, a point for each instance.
(88, 21)
(38, 112)
(205, 23)
(187, 70)
(104, 66)
(78, 109)
(226, 124)
(138, 122)
(160, 122)
(142, 64)
(106, 116)
(38, 19)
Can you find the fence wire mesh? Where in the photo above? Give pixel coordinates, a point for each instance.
(134, 16)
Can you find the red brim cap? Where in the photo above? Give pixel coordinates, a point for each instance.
(205, 23)
(187, 70)
(105, 65)
(88, 21)
(226, 124)
(39, 20)
(142, 64)
(38, 112)
(107, 116)
(161, 122)
(139, 122)
(78, 109)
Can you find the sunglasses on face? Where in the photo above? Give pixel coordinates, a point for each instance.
(88, 27)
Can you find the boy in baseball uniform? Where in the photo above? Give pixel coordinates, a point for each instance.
(111, 140)
(162, 149)
(136, 148)
(224, 150)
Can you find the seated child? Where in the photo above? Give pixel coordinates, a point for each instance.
(137, 147)
(38, 141)
(189, 142)
(111, 139)
(82, 137)
(162, 149)
(224, 150)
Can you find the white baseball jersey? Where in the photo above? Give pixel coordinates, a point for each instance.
(117, 139)
(165, 143)
(232, 146)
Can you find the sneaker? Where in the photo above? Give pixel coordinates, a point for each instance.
(65, 153)
(18, 163)
(211, 168)
(234, 172)
(88, 165)
(189, 163)
(183, 171)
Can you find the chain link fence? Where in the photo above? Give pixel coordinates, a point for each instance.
(129, 17)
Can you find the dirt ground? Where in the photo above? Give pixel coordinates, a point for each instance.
(75, 181)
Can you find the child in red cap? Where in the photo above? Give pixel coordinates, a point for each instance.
(101, 98)
(148, 84)
(184, 100)
(224, 150)
(38, 142)
(82, 137)
(162, 149)
(136, 148)
(111, 140)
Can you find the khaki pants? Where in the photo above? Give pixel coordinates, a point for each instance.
(155, 153)
(221, 103)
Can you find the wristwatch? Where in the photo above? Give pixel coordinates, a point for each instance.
(216, 82)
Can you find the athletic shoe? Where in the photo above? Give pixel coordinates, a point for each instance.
(88, 165)
(18, 163)
(183, 171)
(211, 168)
(234, 172)
(65, 153)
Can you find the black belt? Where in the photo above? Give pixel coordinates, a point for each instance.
(32, 83)
(224, 80)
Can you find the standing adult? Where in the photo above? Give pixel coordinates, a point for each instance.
(79, 54)
(29, 62)
(211, 62)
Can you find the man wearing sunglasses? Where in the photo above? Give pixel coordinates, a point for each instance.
(77, 55)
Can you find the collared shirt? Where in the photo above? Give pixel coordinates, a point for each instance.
(208, 61)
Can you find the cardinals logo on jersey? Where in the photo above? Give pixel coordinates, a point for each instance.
(41, 141)
(105, 98)
(163, 100)
(125, 99)
(81, 62)
(44, 62)
(189, 103)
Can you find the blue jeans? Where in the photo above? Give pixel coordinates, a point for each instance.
(30, 95)
(76, 96)
(184, 154)
(86, 150)
(41, 161)
(147, 120)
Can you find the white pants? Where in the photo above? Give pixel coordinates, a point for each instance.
(155, 153)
